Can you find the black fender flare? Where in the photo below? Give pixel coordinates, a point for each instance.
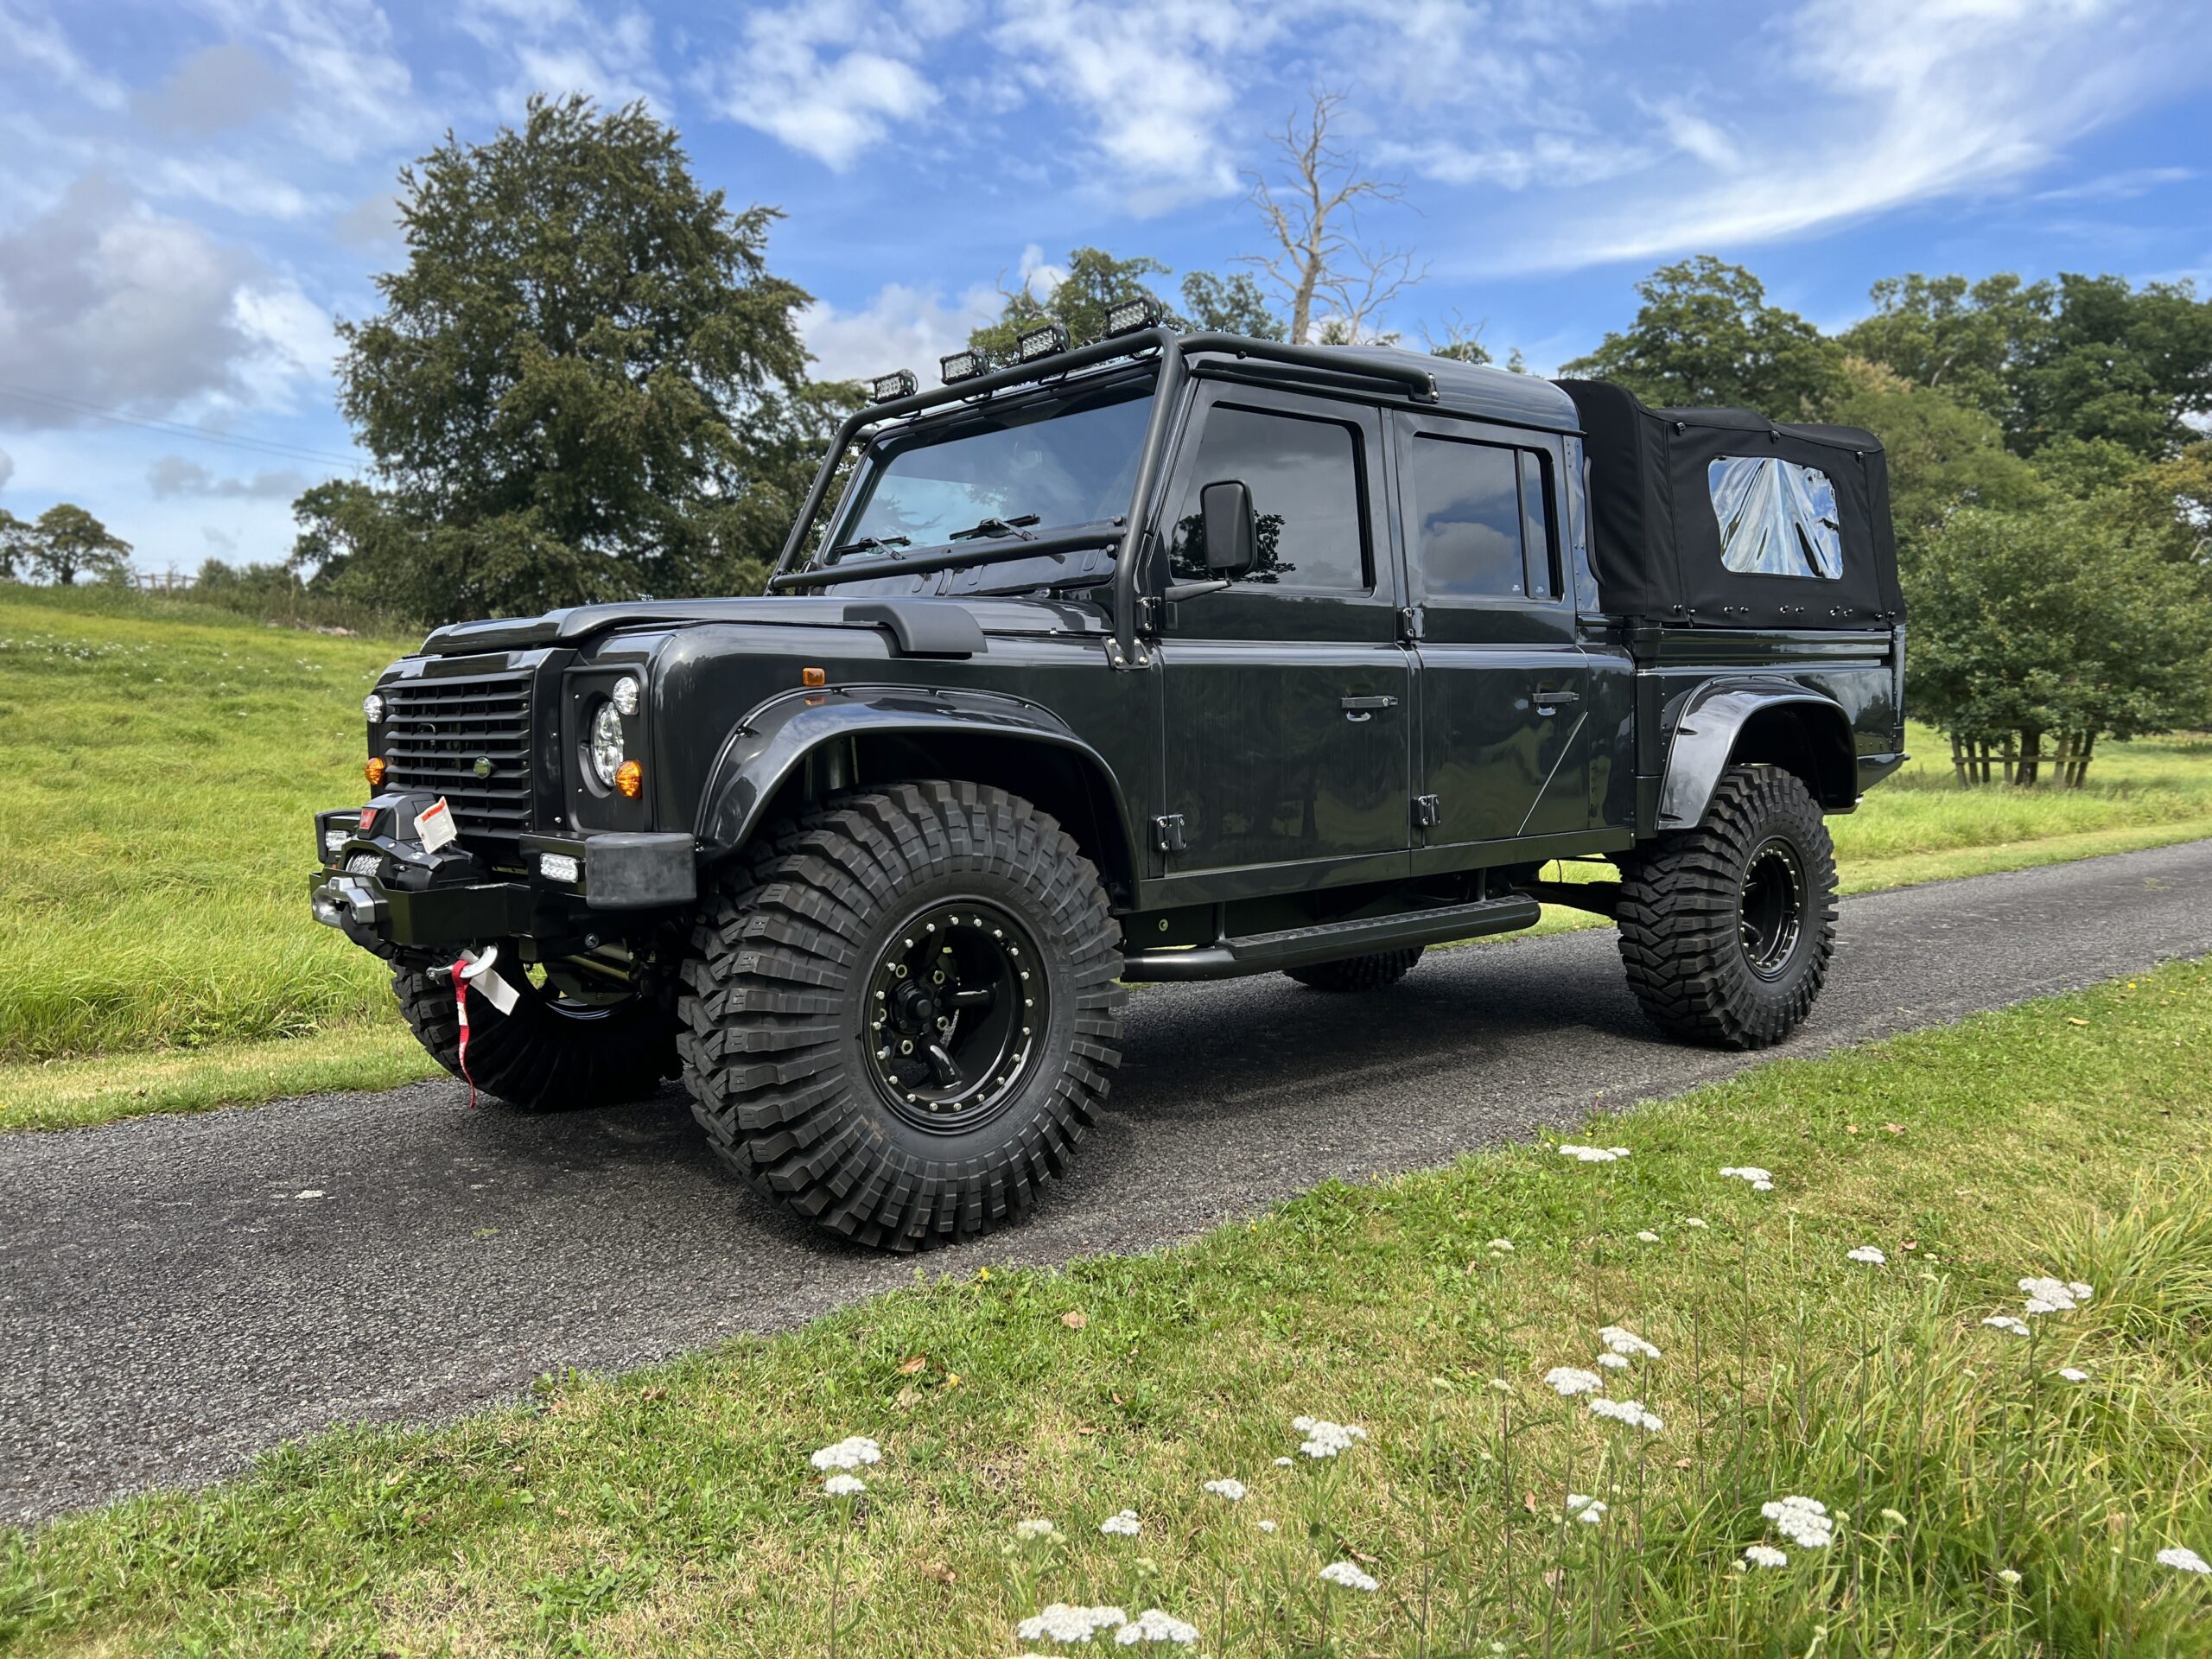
(1710, 727)
(766, 748)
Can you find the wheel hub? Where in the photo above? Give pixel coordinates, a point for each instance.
(951, 1015)
(1770, 910)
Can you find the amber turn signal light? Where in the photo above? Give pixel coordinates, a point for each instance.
(630, 779)
(374, 772)
(813, 676)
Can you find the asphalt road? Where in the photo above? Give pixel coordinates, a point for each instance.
(179, 1293)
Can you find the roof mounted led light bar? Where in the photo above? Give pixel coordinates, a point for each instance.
(1127, 316)
(889, 387)
(964, 365)
(1040, 339)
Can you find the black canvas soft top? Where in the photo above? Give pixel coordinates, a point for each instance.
(1656, 536)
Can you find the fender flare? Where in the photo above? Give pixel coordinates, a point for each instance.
(1706, 734)
(774, 739)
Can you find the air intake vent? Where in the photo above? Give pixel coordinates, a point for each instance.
(466, 737)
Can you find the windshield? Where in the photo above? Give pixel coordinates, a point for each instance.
(1067, 463)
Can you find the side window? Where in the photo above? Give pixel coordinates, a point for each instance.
(1777, 517)
(1304, 476)
(1466, 517)
(1536, 539)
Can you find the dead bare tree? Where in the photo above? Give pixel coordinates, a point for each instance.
(1310, 207)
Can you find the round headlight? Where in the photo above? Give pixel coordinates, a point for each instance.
(373, 708)
(626, 695)
(607, 744)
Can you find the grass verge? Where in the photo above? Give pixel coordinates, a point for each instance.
(1981, 1503)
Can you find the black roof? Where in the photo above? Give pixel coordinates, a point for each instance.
(1478, 389)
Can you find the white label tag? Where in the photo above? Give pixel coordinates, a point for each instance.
(485, 979)
(435, 825)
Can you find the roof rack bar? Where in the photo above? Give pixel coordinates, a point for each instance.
(1328, 360)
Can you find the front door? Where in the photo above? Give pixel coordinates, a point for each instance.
(1505, 688)
(1286, 747)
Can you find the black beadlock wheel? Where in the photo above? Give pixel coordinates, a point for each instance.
(901, 1013)
(1368, 973)
(1726, 929)
(554, 1052)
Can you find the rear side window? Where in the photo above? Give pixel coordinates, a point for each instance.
(1777, 517)
(1482, 521)
(1304, 476)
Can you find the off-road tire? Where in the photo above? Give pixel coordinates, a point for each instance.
(1369, 973)
(1684, 909)
(548, 1055)
(785, 1071)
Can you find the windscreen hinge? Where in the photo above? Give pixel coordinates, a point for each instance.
(1428, 811)
(1167, 834)
(1413, 622)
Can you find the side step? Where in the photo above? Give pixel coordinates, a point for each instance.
(1300, 947)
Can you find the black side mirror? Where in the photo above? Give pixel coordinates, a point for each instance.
(1232, 534)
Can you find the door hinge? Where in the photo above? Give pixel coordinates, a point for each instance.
(1428, 811)
(1413, 622)
(1167, 834)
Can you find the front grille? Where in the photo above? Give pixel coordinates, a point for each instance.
(443, 735)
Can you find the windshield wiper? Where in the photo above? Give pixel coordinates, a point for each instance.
(866, 544)
(995, 527)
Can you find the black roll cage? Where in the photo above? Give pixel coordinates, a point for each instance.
(1171, 349)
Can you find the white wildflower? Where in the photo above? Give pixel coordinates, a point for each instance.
(1153, 1625)
(2051, 1296)
(1230, 1489)
(1592, 1154)
(1765, 1555)
(1282, 1463)
(1502, 1246)
(1325, 1438)
(848, 1453)
(1761, 1180)
(1622, 1340)
(2183, 1560)
(2008, 1577)
(1345, 1574)
(1567, 1380)
(1693, 1221)
(1804, 1520)
(1630, 1412)
(1869, 1254)
(1501, 1385)
(1028, 1531)
(1069, 1624)
(1266, 1527)
(2006, 1322)
(844, 1486)
(2073, 1373)
(1613, 1361)
(1648, 1238)
(1124, 1525)
(1585, 1509)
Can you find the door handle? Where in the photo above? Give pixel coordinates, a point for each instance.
(1544, 699)
(1359, 708)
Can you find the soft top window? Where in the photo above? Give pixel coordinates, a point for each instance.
(1777, 519)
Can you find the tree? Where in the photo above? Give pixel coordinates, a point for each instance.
(66, 540)
(1705, 335)
(1231, 305)
(1941, 453)
(1094, 281)
(1311, 209)
(14, 543)
(584, 384)
(2054, 623)
(2089, 358)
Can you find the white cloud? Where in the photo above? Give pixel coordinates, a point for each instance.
(7, 468)
(2124, 186)
(352, 94)
(797, 80)
(371, 222)
(173, 475)
(104, 302)
(558, 46)
(234, 185)
(214, 91)
(1153, 78)
(37, 41)
(901, 327)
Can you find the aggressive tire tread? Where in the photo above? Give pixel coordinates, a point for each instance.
(536, 1057)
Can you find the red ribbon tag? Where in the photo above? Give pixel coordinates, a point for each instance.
(460, 1010)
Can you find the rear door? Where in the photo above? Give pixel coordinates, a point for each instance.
(1286, 741)
(1504, 744)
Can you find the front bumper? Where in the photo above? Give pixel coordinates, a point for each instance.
(387, 894)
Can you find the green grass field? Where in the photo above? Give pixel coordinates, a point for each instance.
(158, 762)
(1990, 1494)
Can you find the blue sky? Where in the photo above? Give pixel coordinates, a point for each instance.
(191, 190)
